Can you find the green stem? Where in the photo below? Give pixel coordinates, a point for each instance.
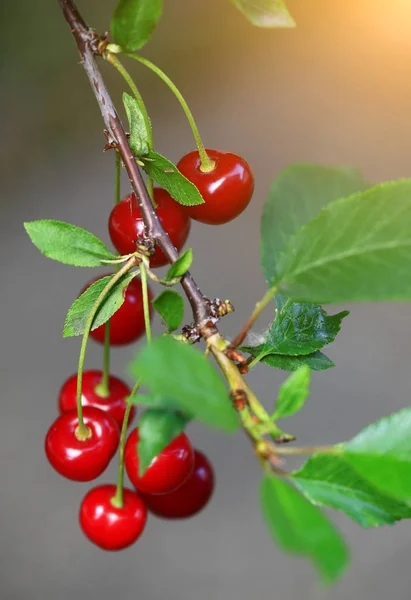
(258, 309)
(207, 164)
(83, 432)
(118, 498)
(146, 301)
(102, 389)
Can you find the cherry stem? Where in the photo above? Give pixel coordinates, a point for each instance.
(258, 309)
(118, 499)
(146, 303)
(207, 164)
(82, 430)
(114, 61)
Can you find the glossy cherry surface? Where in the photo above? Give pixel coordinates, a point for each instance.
(127, 324)
(107, 526)
(226, 190)
(82, 460)
(167, 471)
(126, 224)
(189, 498)
(114, 404)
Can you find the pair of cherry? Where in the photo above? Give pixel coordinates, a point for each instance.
(177, 484)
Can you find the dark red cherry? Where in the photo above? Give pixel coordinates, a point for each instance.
(166, 472)
(226, 190)
(114, 404)
(107, 526)
(127, 324)
(126, 224)
(189, 498)
(82, 460)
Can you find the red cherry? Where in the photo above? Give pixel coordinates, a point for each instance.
(189, 498)
(127, 324)
(226, 190)
(166, 472)
(82, 460)
(107, 526)
(114, 404)
(126, 224)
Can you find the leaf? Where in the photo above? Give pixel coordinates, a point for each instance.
(265, 13)
(381, 453)
(170, 306)
(166, 174)
(139, 136)
(67, 243)
(79, 311)
(293, 393)
(357, 248)
(156, 429)
(316, 361)
(296, 196)
(178, 371)
(134, 21)
(301, 528)
(329, 480)
(181, 266)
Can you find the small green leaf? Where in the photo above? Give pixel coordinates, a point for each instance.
(67, 243)
(329, 480)
(156, 429)
(316, 361)
(265, 13)
(293, 393)
(357, 249)
(134, 21)
(139, 136)
(301, 528)
(180, 372)
(170, 306)
(381, 454)
(181, 266)
(166, 174)
(79, 311)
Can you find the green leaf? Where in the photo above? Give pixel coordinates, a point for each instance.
(79, 311)
(181, 266)
(316, 361)
(166, 174)
(301, 528)
(139, 136)
(381, 453)
(156, 429)
(178, 371)
(265, 13)
(296, 196)
(293, 393)
(357, 248)
(329, 480)
(170, 306)
(67, 243)
(134, 21)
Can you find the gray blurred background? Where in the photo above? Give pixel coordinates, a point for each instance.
(337, 90)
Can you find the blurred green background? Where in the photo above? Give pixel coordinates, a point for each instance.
(336, 90)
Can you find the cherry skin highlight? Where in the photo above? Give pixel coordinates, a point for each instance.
(190, 498)
(107, 526)
(226, 190)
(82, 460)
(115, 404)
(168, 470)
(127, 324)
(126, 224)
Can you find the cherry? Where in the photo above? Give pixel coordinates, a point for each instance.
(82, 460)
(166, 472)
(226, 190)
(127, 324)
(126, 224)
(110, 527)
(189, 498)
(114, 404)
